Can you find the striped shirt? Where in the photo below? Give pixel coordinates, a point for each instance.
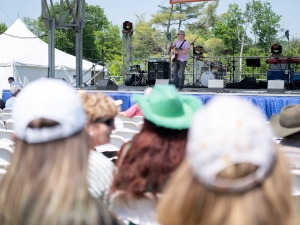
(100, 175)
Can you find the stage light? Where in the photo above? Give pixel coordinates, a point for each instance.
(127, 25)
(276, 49)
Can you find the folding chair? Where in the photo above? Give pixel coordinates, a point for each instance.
(130, 125)
(138, 119)
(126, 134)
(124, 118)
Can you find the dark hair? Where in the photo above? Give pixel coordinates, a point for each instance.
(294, 136)
(153, 156)
(11, 78)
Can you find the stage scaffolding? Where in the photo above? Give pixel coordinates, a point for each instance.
(126, 53)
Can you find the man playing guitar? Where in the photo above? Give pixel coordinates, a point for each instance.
(181, 50)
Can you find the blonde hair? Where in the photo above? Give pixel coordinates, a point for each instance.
(186, 201)
(46, 183)
(99, 106)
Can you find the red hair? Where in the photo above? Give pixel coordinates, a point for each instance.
(153, 156)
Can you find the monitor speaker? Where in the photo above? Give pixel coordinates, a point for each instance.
(158, 70)
(107, 84)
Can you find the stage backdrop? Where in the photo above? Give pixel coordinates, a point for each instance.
(184, 1)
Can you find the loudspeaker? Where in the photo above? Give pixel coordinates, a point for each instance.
(162, 81)
(158, 70)
(215, 85)
(276, 86)
(104, 84)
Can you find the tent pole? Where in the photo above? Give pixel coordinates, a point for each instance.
(79, 54)
(51, 49)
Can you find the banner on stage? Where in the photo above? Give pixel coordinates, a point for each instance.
(185, 1)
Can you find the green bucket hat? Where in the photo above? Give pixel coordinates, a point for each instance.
(166, 108)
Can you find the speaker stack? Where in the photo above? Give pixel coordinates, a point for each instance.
(107, 84)
(158, 70)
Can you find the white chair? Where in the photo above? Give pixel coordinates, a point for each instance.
(2, 126)
(6, 142)
(5, 155)
(130, 125)
(7, 110)
(107, 148)
(6, 116)
(2, 173)
(9, 124)
(126, 134)
(138, 119)
(296, 186)
(140, 125)
(8, 134)
(117, 140)
(124, 118)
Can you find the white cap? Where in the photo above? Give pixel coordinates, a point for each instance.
(228, 131)
(49, 99)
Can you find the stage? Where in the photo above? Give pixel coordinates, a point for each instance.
(269, 103)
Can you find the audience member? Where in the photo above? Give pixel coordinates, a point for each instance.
(287, 126)
(233, 173)
(101, 111)
(135, 110)
(46, 182)
(146, 163)
(12, 82)
(14, 90)
(2, 104)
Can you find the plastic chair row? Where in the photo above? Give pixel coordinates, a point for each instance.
(135, 119)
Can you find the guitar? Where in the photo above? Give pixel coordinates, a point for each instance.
(173, 54)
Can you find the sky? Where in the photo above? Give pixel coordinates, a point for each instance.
(119, 11)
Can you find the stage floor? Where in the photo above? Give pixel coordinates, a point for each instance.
(269, 103)
(202, 90)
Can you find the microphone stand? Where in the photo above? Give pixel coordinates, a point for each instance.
(193, 43)
(233, 61)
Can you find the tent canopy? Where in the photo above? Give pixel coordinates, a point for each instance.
(22, 53)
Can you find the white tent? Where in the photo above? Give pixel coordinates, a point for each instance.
(25, 57)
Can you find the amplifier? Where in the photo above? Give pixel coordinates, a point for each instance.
(296, 76)
(280, 75)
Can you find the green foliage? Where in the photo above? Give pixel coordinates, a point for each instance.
(3, 27)
(265, 23)
(99, 35)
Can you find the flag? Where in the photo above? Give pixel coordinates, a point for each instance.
(287, 34)
(184, 1)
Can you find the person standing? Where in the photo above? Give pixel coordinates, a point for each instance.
(182, 49)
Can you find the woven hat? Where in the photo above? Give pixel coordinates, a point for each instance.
(238, 136)
(166, 108)
(49, 99)
(287, 122)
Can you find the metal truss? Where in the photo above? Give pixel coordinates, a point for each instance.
(70, 17)
(126, 52)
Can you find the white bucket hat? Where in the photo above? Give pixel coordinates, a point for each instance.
(228, 131)
(49, 99)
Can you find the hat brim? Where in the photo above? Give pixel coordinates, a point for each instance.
(279, 130)
(190, 105)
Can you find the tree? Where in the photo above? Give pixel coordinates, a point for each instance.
(3, 27)
(265, 23)
(146, 39)
(189, 16)
(96, 24)
(214, 46)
